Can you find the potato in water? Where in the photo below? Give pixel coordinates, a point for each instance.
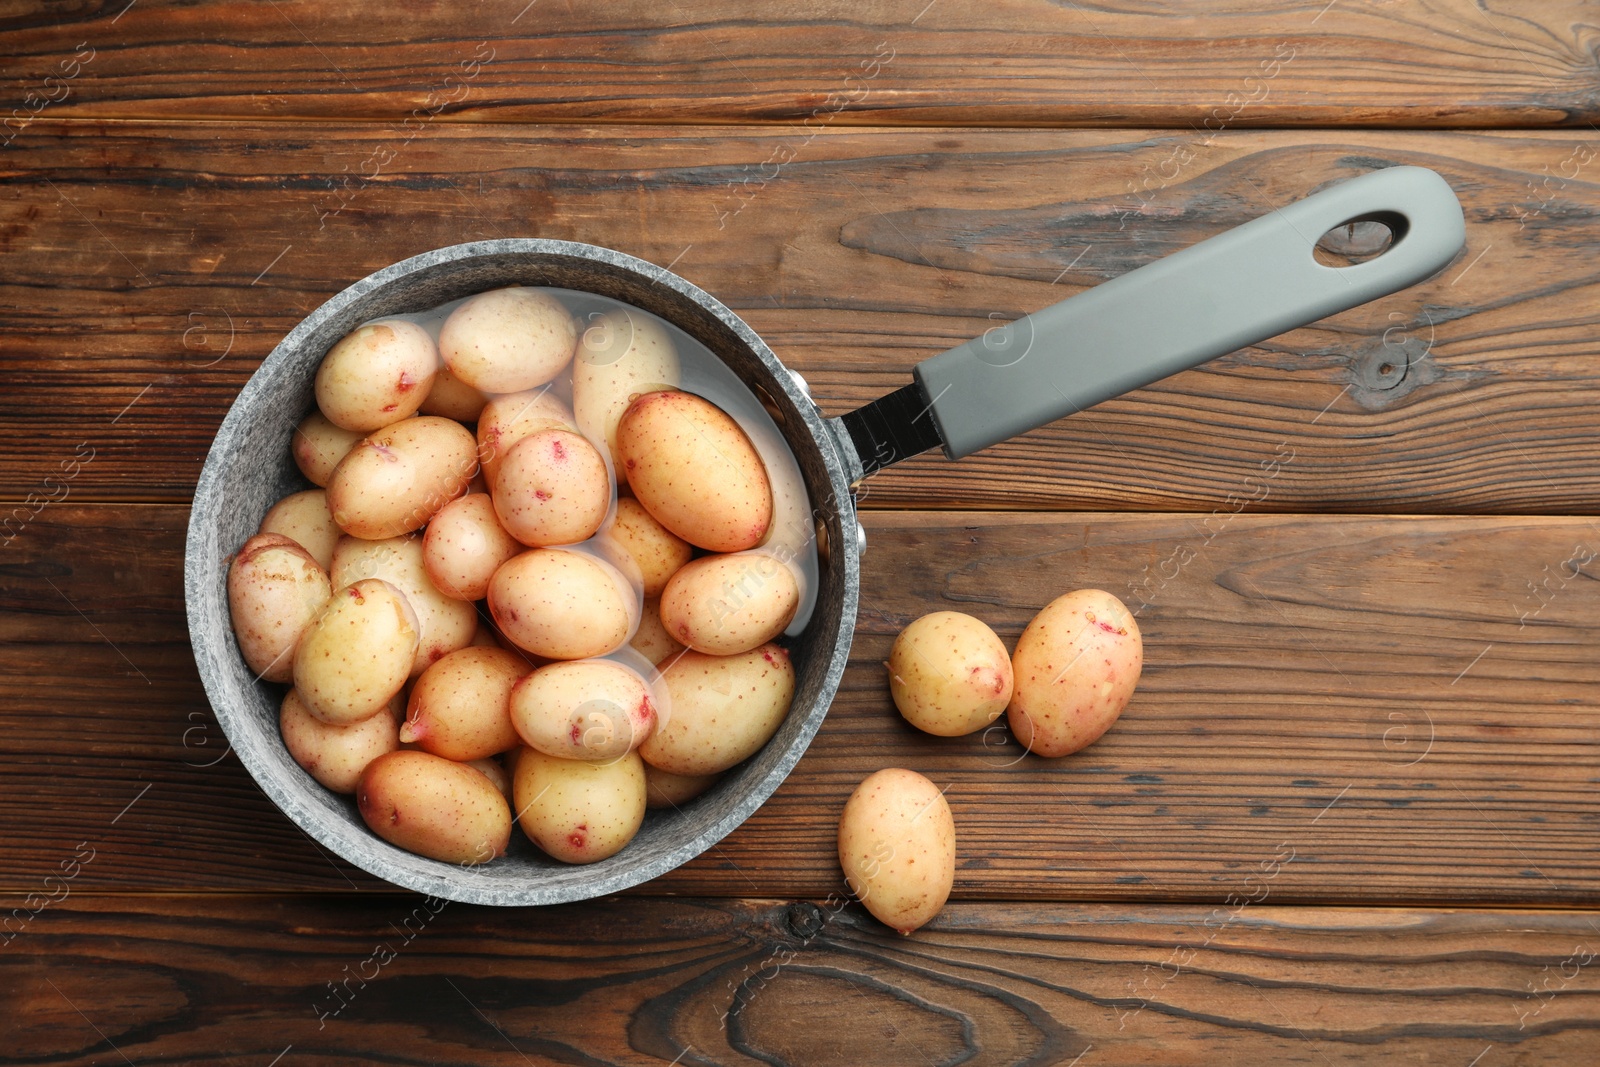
(464, 545)
(562, 604)
(393, 481)
(275, 593)
(552, 489)
(444, 624)
(593, 709)
(506, 340)
(695, 470)
(729, 604)
(723, 709)
(434, 807)
(579, 811)
(1076, 666)
(377, 375)
(335, 755)
(357, 654)
(621, 355)
(460, 707)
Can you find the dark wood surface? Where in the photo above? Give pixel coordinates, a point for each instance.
(1350, 816)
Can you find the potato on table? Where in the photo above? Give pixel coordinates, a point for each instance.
(1076, 666)
(949, 674)
(897, 845)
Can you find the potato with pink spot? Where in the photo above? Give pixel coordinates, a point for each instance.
(357, 654)
(730, 603)
(304, 518)
(552, 489)
(377, 375)
(723, 709)
(949, 674)
(561, 604)
(276, 591)
(693, 468)
(507, 340)
(593, 709)
(434, 807)
(507, 419)
(334, 755)
(393, 481)
(464, 545)
(1076, 666)
(579, 811)
(444, 623)
(461, 706)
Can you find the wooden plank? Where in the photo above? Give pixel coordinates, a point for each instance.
(1402, 703)
(143, 304)
(397, 979)
(946, 62)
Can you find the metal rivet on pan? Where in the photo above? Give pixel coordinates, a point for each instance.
(861, 540)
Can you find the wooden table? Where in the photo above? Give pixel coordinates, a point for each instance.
(1351, 813)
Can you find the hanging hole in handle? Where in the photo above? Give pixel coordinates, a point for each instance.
(1363, 238)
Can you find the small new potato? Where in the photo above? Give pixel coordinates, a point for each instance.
(319, 445)
(393, 481)
(460, 707)
(334, 755)
(434, 807)
(728, 604)
(552, 489)
(723, 709)
(304, 518)
(464, 545)
(594, 709)
(693, 468)
(561, 604)
(579, 811)
(949, 674)
(897, 845)
(357, 654)
(507, 419)
(507, 340)
(492, 770)
(453, 398)
(1076, 666)
(621, 354)
(651, 640)
(663, 789)
(377, 375)
(444, 623)
(641, 548)
(275, 593)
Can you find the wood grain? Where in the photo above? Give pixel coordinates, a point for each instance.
(396, 979)
(1402, 703)
(142, 303)
(1013, 62)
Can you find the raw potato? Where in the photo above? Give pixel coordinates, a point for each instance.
(275, 593)
(579, 811)
(641, 548)
(357, 655)
(552, 489)
(949, 674)
(508, 340)
(444, 624)
(724, 708)
(319, 445)
(652, 640)
(897, 845)
(663, 789)
(304, 518)
(694, 469)
(622, 354)
(592, 709)
(505, 420)
(393, 481)
(377, 375)
(1076, 666)
(464, 545)
(334, 755)
(724, 605)
(495, 773)
(453, 398)
(435, 808)
(460, 707)
(562, 604)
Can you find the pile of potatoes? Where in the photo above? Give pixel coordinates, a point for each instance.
(1073, 672)
(507, 601)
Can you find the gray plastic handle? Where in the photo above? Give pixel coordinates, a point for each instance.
(1225, 293)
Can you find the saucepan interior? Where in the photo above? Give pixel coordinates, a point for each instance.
(249, 468)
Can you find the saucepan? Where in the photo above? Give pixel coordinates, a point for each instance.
(1232, 290)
